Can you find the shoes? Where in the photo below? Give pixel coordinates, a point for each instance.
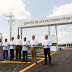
(10, 59)
(49, 62)
(44, 63)
(19, 59)
(6, 59)
(16, 59)
(32, 62)
(22, 61)
(36, 62)
(3, 60)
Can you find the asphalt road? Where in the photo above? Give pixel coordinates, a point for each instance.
(61, 62)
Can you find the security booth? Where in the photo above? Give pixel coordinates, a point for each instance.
(54, 40)
(48, 21)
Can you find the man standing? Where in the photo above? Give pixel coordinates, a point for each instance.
(1, 48)
(18, 47)
(33, 44)
(47, 44)
(12, 47)
(5, 50)
(25, 49)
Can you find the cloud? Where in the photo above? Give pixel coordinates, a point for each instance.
(17, 7)
(62, 10)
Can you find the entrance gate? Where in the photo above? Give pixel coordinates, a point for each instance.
(48, 21)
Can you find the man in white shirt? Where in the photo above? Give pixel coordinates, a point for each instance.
(47, 44)
(12, 47)
(25, 49)
(33, 44)
(18, 47)
(1, 48)
(5, 50)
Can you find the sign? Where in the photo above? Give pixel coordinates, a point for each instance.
(48, 21)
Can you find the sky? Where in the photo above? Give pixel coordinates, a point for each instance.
(33, 9)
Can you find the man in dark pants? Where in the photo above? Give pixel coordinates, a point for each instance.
(12, 47)
(18, 47)
(46, 44)
(25, 49)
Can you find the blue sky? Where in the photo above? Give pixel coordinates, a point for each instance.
(31, 9)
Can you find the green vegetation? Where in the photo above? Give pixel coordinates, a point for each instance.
(68, 44)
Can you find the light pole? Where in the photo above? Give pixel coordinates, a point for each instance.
(65, 38)
(11, 21)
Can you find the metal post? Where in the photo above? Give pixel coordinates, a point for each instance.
(49, 30)
(18, 31)
(21, 33)
(56, 33)
(56, 29)
(65, 38)
(10, 31)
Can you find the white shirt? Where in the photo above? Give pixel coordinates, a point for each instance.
(33, 42)
(1, 44)
(18, 42)
(6, 45)
(47, 42)
(12, 43)
(25, 48)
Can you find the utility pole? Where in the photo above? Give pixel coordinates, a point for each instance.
(65, 38)
(11, 21)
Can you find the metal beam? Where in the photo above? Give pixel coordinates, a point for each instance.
(48, 21)
(56, 29)
(21, 33)
(18, 31)
(48, 30)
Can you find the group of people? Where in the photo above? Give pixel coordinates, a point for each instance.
(19, 45)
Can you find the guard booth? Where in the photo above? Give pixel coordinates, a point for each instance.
(48, 21)
(54, 40)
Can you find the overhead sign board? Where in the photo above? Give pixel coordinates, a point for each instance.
(48, 21)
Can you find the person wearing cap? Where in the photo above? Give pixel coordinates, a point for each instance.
(12, 47)
(33, 44)
(18, 47)
(5, 49)
(25, 49)
(1, 47)
(47, 44)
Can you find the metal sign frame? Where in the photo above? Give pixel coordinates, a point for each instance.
(48, 21)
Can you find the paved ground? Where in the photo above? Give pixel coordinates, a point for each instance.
(61, 62)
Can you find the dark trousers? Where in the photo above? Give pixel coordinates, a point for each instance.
(18, 51)
(5, 54)
(24, 54)
(12, 54)
(47, 51)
